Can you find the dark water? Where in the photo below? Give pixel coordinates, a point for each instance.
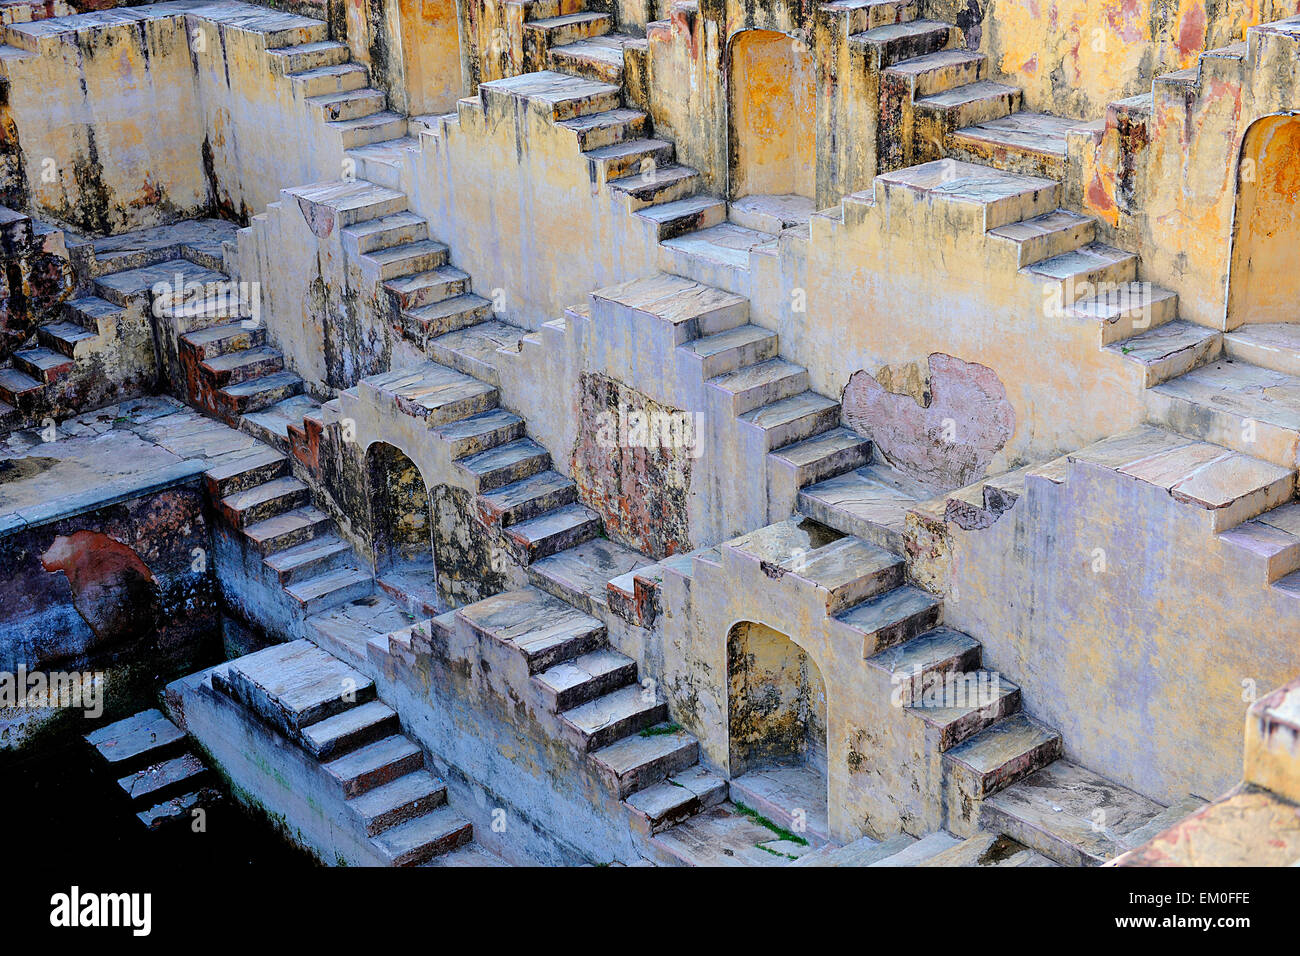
(63, 810)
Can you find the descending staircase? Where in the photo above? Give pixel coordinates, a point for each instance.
(153, 764)
(331, 712)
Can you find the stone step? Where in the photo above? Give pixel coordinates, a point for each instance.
(863, 852)
(307, 56)
(987, 849)
(938, 651)
(122, 288)
(960, 704)
(427, 288)
(918, 852)
(91, 312)
(521, 500)
(478, 433)
(231, 368)
(666, 185)
(352, 201)
(686, 308)
(244, 471)
(349, 105)
(824, 456)
(383, 160)
(398, 229)
(574, 682)
(682, 795)
(222, 339)
(438, 318)
(554, 531)
(638, 156)
(732, 349)
(42, 364)
(605, 129)
(1274, 346)
(287, 530)
(984, 198)
(558, 95)
(941, 114)
(259, 393)
(863, 15)
(893, 617)
(420, 840)
(503, 464)
(1044, 237)
(276, 424)
(478, 349)
(309, 559)
(848, 570)
(726, 246)
(353, 728)
(1128, 311)
(1080, 273)
(580, 576)
(540, 626)
(682, 216)
(264, 501)
(370, 129)
(1029, 143)
(1170, 350)
(762, 384)
(1268, 546)
(1231, 486)
(331, 588)
(374, 765)
(293, 685)
(613, 716)
(870, 502)
(636, 762)
(392, 804)
(793, 419)
(408, 259)
(430, 392)
(1247, 408)
(18, 388)
(541, 35)
(1069, 814)
(771, 214)
(167, 778)
(140, 740)
(933, 73)
(1169, 817)
(180, 808)
(332, 78)
(998, 756)
(68, 338)
(886, 45)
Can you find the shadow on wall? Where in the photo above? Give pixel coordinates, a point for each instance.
(1264, 278)
(773, 107)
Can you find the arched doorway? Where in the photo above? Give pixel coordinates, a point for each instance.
(776, 709)
(401, 525)
(1264, 278)
(772, 109)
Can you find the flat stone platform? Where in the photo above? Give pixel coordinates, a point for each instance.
(113, 454)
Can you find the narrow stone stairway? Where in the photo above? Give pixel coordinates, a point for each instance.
(155, 767)
(330, 710)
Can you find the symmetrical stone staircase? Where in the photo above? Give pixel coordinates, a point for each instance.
(330, 710)
(152, 761)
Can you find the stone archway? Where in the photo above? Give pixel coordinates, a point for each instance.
(401, 522)
(776, 710)
(1264, 277)
(772, 110)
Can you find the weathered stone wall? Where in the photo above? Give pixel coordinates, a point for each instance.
(1130, 627)
(117, 590)
(1074, 57)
